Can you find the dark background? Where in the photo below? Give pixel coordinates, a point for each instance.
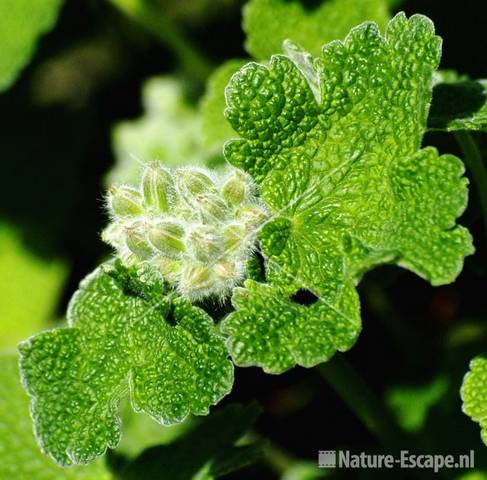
(55, 154)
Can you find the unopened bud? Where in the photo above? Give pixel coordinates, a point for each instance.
(125, 201)
(167, 237)
(192, 181)
(225, 270)
(253, 217)
(196, 280)
(168, 267)
(205, 243)
(233, 236)
(137, 242)
(212, 206)
(158, 187)
(235, 188)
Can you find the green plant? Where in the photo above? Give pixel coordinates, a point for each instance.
(257, 263)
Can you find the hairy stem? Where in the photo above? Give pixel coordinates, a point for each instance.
(363, 402)
(475, 165)
(190, 58)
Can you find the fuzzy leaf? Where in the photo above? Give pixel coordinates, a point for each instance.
(269, 22)
(459, 105)
(20, 457)
(335, 145)
(474, 394)
(22, 22)
(122, 338)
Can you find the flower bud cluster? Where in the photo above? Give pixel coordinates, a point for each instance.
(196, 228)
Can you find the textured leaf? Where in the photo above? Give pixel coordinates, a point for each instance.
(206, 451)
(122, 337)
(269, 22)
(474, 394)
(216, 130)
(22, 271)
(22, 22)
(459, 104)
(335, 145)
(20, 457)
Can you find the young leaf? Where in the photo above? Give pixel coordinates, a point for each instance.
(460, 104)
(269, 22)
(20, 457)
(474, 394)
(22, 22)
(208, 447)
(334, 143)
(123, 336)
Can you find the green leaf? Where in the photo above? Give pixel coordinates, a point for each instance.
(124, 336)
(22, 22)
(23, 271)
(269, 22)
(335, 145)
(459, 104)
(216, 130)
(20, 457)
(206, 451)
(474, 394)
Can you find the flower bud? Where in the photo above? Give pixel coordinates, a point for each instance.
(136, 241)
(158, 187)
(168, 267)
(235, 188)
(124, 201)
(167, 237)
(196, 280)
(225, 270)
(234, 235)
(253, 217)
(205, 243)
(192, 182)
(212, 206)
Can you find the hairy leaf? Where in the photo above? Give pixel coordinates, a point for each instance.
(123, 337)
(334, 143)
(269, 22)
(474, 393)
(20, 457)
(22, 22)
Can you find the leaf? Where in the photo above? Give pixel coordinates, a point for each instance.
(268, 23)
(22, 22)
(459, 105)
(123, 337)
(474, 394)
(20, 457)
(216, 130)
(209, 448)
(22, 271)
(334, 144)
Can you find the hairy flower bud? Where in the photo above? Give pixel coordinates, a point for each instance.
(235, 188)
(137, 242)
(253, 217)
(233, 235)
(212, 206)
(124, 201)
(196, 280)
(205, 243)
(192, 182)
(167, 237)
(158, 187)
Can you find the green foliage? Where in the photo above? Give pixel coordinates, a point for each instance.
(124, 336)
(22, 22)
(474, 394)
(22, 271)
(336, 151)
(205, 452)
(20, 457)
(269, 22)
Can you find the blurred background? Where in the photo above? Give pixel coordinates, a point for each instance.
(105, 91)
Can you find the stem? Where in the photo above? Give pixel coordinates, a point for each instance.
(474, 162)
(190, 58)
(363, 402)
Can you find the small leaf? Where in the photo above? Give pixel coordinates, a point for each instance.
(335, 147)
(459, 105)
(20, 457)
(474, 394)
(22, 22)
(269, 22)
(208, 447)
(123, 337)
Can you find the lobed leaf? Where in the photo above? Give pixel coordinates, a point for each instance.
(334, 144)
(123, 337)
